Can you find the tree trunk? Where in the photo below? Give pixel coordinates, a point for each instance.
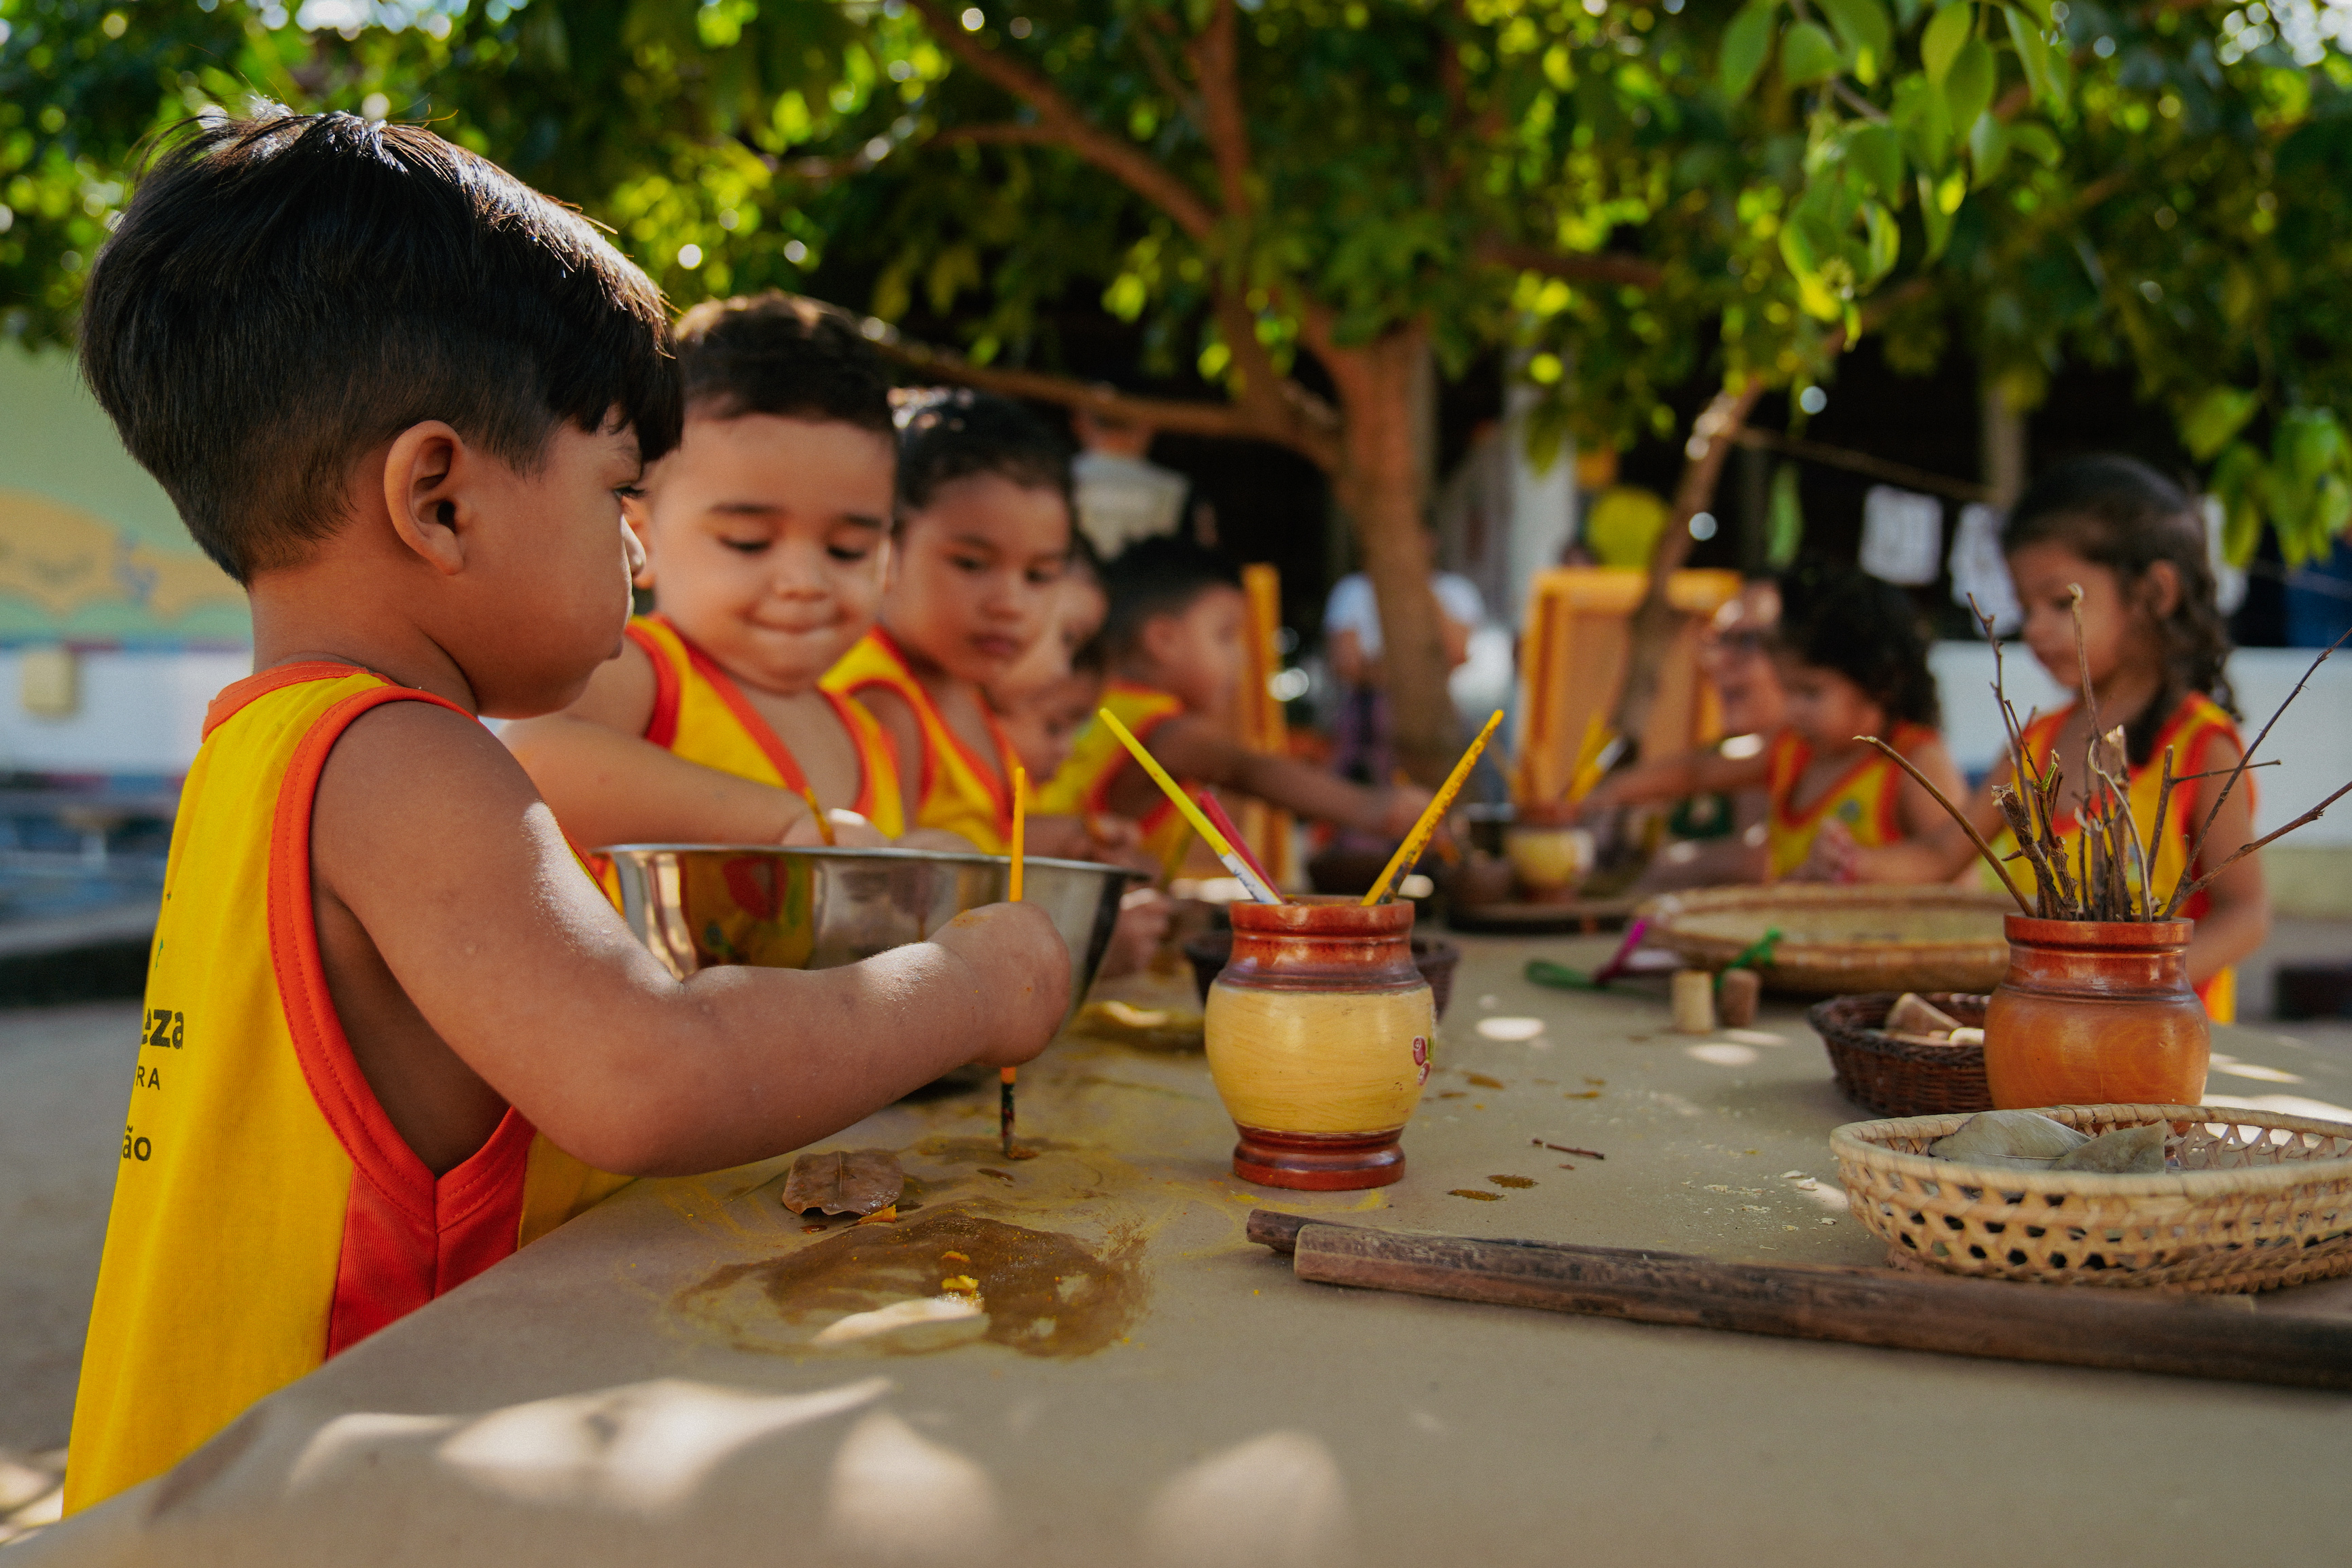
(1655, 622)
(1381, 486)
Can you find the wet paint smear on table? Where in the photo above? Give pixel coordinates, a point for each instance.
(1042, 1293)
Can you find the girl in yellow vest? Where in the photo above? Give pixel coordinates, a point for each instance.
(983, 543)
(2156, 643)
(1850, 662)
(766, 537)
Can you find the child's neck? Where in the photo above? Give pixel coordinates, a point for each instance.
(2125, 693)
(1141, 670)
(318, 610)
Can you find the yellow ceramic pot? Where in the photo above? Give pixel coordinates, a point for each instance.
(1548, 861)
(1318, 1034)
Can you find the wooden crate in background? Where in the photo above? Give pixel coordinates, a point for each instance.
(1572, 665)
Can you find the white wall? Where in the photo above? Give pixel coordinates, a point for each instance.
(2313, 743)
(141, 712)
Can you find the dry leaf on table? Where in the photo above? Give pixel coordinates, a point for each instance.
(857, 1181)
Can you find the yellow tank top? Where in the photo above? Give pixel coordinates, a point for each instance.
(1864, 798)
(266, 1214)
(1079, 788)
(2192, 732)
(703, 716)
(957, 789)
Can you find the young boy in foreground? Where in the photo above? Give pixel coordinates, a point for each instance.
(975, 582)
(392, 1030)
(766, 536)
(1173, 643)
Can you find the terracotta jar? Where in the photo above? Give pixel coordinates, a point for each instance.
(2096, 1012)
(1319, 1033)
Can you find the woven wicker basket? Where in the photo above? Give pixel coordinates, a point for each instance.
(2259, 1200)
(1897, 1077)
(1839, 939)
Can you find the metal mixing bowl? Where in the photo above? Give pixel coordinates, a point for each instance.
(700, 904)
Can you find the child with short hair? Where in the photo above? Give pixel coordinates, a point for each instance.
(392, 1030)
(975, 579)
(1173, 643)
(1850, 662)
(1053, 693)
(2156, 646)
(766, 536)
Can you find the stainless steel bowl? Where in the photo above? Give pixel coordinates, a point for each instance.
(696, 905)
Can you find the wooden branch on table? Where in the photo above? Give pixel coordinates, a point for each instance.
(1114, 154)
(2244, 758)
(2135, 1330)
(1957, 815)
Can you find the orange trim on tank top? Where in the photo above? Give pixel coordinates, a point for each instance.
(2044, 733)
(408, 1236)
(233, 698)
(755, 723)
(992, 779)
(1904, 734)
(661, 724)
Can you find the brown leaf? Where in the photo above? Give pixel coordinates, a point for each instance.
(859, 1182)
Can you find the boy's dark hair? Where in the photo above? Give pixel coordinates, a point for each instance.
(1842, 619)
(2125, 516)
(777, 353)
(1162, 575)
(953, 433)
(284, 294)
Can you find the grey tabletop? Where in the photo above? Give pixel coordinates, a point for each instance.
(689, 1375)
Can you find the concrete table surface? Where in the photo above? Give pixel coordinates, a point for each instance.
(644, 1384)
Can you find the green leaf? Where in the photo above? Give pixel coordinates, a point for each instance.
(2242, 480)
(2032, 53)
(1934, 217)
(2039, 11)
(1877, 154)
(1941, 43)
(1785, 524)
(1988, 148)
(1921, 118)
(1969, 84)
(2215, 419)
(2309, 443)
(2033, 139)
(1807, 56)
(1747, 43)
(1869, 37)
(1885, 244)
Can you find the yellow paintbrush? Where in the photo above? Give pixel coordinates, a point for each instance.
(1005, 1075)
(1410, 850)
(1260, 890)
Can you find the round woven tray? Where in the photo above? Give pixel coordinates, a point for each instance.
(1839, 939)
(1898, 1078)
(2259, 1200)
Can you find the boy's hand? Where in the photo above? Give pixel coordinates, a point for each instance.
(1061, 837)
(1020, 978)
(1835, 857)
(850, 831)
(1400, 807)
(1143, 918)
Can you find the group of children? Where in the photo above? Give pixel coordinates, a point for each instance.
(444, 434)
(1840, 655)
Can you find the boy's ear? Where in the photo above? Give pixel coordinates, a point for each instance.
(633, 514)
(423, 475)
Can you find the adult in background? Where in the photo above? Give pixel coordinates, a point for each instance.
(1364, 749)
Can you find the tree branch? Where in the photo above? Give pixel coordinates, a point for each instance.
(1032, 135)
(1113, 154)
(1577, 267)
(1216, 65)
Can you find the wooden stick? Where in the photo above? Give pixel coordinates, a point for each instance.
(2306, 820)
(2134, 1331)
(1006, 1077)
(2197, 849)
(1432, 814)
(1958, 816)
(2156, 832)
(824, 828)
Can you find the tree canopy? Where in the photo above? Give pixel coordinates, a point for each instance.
(1301, 200)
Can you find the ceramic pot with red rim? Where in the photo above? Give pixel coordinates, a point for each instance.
(1319, 1033)
(2096, 1012)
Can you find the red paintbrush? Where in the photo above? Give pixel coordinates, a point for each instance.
(1216, 814)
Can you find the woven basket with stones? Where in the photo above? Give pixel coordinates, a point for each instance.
(2253, 1200)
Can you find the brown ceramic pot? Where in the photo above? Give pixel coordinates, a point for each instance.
(2096, 1012)
(1319, 1033)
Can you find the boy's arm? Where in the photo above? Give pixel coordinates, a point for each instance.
(465, 893)
(2237, 916)
(607, 784)
(1193, 748)
(1934, 849)
(1675, 777)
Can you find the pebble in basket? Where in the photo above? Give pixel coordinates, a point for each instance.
(2095, 1006)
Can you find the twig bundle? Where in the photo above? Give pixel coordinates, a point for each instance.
(2113, 870)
